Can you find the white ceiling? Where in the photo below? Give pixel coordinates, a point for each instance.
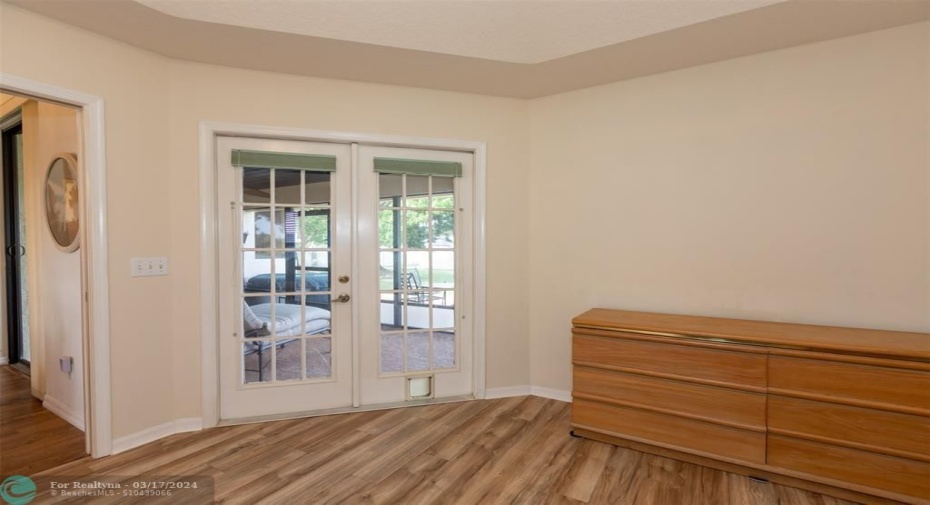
(514, 48)
(513, 31)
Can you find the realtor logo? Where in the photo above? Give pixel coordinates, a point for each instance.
(18, 490)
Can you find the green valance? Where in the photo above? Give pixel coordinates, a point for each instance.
(266, 159)
(418, 167)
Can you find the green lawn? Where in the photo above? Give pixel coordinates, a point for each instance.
(440, 277)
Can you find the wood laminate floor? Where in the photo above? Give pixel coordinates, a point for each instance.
(512, 450)
(32, 439)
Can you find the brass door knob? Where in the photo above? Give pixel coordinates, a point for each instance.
(342, 298)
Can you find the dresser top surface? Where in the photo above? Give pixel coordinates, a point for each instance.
(899, 344)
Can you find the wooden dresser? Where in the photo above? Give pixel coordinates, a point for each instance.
(842, 411)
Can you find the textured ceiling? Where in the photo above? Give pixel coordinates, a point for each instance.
(514, 31)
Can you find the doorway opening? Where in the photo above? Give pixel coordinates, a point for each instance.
(43, 310)
(93, 262)
(347, 273)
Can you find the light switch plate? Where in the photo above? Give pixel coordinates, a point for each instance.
(144, 267)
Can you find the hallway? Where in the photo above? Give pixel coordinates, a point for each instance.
(32, 439)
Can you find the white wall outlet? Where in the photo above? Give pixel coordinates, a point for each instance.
(66, 364)
(161, 265)
(144, 267)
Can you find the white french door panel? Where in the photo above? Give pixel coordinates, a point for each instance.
(416, 274)
(397, 248)
(284, 240)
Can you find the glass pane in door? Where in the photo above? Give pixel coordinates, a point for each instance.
(286, 255)
(416, 226)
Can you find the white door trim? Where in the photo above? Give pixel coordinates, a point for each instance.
(209, 275)
(98, 397)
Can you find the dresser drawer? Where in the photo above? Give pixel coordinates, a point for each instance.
(861, 384)
(741, 409)
(698, 364)
(682, 434)
(899, 475)
(869, 429)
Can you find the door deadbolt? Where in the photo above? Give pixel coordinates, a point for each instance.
(343, 279)
(343, 298)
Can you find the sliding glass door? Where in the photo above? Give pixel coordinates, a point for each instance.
(14, 211)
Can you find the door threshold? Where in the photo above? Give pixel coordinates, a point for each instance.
(343, 410)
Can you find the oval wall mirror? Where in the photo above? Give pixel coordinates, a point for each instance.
(61, 202)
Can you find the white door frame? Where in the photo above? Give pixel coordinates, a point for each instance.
(208, 274)
(95, 268)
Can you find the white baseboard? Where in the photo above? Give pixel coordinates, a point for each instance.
(63, 411)
(506, 392)
(553, 394)
(154, 433)
(4, 360)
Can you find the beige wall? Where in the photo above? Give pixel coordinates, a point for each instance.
(787, 186)
(55, 276)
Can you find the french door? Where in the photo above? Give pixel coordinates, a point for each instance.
(284, 226)
(342, 276)
(416, 340)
